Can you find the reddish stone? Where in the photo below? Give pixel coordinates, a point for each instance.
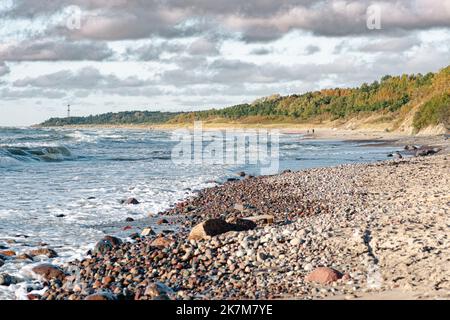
(107, 280)
(161, 242)
(162, 221)
(137, 295)
(179, 266)
(33, 296)
(323, 275)
(48, 271)
(7, 253)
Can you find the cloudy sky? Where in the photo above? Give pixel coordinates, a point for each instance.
(115, 55)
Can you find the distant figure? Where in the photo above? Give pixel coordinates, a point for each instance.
(307, 132)
(313, 131)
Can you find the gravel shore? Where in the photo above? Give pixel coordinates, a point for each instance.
(378, 228)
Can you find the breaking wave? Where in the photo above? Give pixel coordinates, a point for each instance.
(10, 155)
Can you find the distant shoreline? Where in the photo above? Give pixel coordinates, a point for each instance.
(320, 131)
(396, 138)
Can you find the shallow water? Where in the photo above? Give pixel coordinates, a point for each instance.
(83, 175)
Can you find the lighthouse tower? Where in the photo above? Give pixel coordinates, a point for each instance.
(68, 111)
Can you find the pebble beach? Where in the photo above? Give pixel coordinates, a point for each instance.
(347, 232)
(354, 231)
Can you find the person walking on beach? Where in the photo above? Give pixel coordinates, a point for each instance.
(313, 131)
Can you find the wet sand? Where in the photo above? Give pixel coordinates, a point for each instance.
(324, 133)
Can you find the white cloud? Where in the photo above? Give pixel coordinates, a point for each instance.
(85, 78)
(54, 50)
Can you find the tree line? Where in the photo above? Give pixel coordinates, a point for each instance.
(393, 96)
(126, 117)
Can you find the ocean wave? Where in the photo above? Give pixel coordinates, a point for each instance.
(10, 155)
(113, 137)
(80, 136)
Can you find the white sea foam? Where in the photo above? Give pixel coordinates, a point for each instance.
(80, 136)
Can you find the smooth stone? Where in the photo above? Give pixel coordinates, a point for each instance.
(113, 240)
(33, 296)
(7, 280)
(49, 271)
(7, 253)
(132, 201)
(147, 232)
(308, 267)
(107, 244)
(43, 252)
(162, 221)
(324, 275)
(239, 253)
(261, 256)
(162, 242)
(101, 296)
(156, 289)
